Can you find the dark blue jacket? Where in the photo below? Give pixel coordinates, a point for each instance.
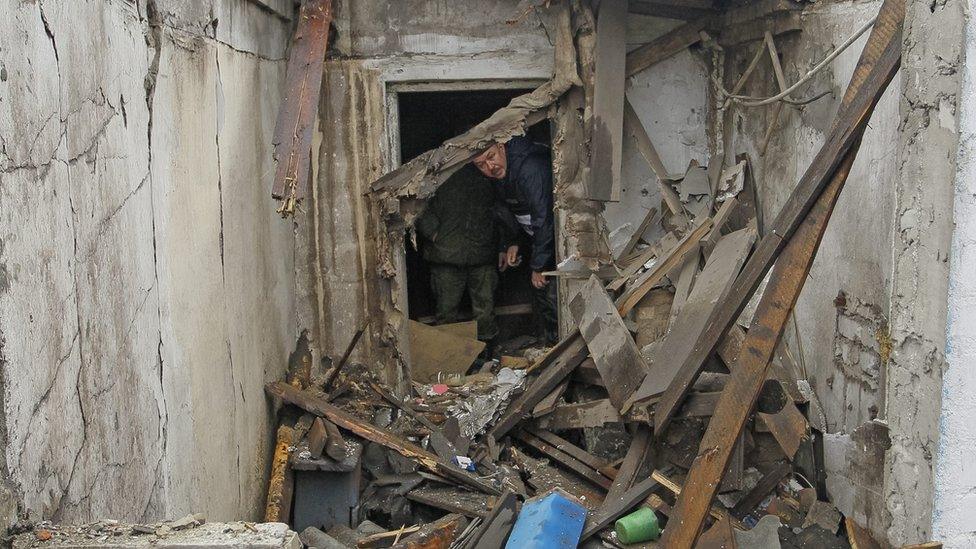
(527, 191)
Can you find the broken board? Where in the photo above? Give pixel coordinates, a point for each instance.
(434, 351)
(613, 349)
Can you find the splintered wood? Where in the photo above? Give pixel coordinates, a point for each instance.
(299, 109)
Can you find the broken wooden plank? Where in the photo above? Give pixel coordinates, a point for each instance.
(494, 531)
(766, 485)
(781, 82)
(879, 62)
(638, 455)
(711, 286)
(543, 477)
(611, 346)
(452, 500)
(548, 404)
(570, 462)
(664, 47)
(718, 223)
(383, 437)
(555, 366)
(606, 140)
(682, 286)
(298, 113)
(672, 10)
(281, 485)
(611, 510)
(788, 426)
(638, 288)
(564, 445)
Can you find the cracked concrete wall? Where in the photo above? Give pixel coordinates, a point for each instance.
(145, 282)
(880, 276)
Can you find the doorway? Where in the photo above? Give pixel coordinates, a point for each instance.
(425, 118)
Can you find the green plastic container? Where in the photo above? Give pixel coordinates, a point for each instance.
(637, 527)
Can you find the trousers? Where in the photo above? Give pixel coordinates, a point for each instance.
(449, 283)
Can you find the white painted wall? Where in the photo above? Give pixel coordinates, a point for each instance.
(954, 512)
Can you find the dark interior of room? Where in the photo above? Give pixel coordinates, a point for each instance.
(427, 119)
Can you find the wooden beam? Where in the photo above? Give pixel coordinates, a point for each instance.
(826, 176)
(497, 525)
(866, 88)
(638, 454)
(610, 52)
(611, 510)
(311, 403)
(281, 485)
(672, 10)
(296, 118)
(555, 366)
(564, 458)
(664, 47)
(613, 349)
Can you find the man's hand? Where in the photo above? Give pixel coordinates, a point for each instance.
(509, 258)
(513, 258)
(538, 281)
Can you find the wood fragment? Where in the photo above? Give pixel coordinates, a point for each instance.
(383, 437)
(672, 10)
(638, 233)
(564, 445)
(570, 462)
(299, 108)
(664, 47)
(281, 485)
(651, 315)
(880, 60)
(317, 436)
(781, 82)
(788, 426)
(497, 525)
(594, 413)
(548, 404)
(452, 500)
(811, 204)
(335, 444)
(613, 349)
(638, 455)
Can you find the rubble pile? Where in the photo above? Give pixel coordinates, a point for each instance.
(577, 428)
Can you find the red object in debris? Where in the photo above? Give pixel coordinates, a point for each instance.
(43, 535)
(439, 388)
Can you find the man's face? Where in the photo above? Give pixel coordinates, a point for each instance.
(492, 162)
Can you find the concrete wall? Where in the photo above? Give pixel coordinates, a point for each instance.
(955, 483)
(145, 281)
